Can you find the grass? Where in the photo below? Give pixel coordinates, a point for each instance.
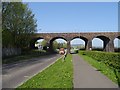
(58, 75)
(100, 66)
(24, 56)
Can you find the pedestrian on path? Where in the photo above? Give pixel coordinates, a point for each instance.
(64, 56)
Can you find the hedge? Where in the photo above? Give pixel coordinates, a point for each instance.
(110, 59)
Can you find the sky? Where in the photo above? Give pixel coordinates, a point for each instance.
(68, 0)
(76, 17)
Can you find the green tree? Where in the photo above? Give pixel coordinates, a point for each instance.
(44, 43)
(64, 45)
(36, 42)
(60, 45)
(55, 45)
(18, 23)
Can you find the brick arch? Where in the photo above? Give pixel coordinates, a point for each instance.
(33, 40)
(94, 47)
(105, 41)
(118, 37)
(83, 38)
(54, 38)
(51, 42)
(102, 37)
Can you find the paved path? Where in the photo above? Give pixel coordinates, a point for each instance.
(85, 76)
(16, 74)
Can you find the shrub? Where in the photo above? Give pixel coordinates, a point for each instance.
(110, 59)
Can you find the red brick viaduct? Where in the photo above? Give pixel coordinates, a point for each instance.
(107, 37)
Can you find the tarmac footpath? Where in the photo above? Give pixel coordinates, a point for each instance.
(86, 76)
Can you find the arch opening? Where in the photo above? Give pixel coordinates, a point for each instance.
(105, 43)
(41, 44)
(56, 44)
(97, 44)
(38, 44)
(77, 44)
(117, 44)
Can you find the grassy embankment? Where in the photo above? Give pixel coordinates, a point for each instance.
(58, 75)
(106, 63)
(24, 56)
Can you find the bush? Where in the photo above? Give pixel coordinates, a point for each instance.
(110, 59)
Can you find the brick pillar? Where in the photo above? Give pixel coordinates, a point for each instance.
(105, 45)
(88, 45)
(50, 45)
(109, 46)
(68, 46)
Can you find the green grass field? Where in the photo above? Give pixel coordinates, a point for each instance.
(100, 66)
(58, 75)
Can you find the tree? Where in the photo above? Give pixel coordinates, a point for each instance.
(55, 45)
(64, 45)
(44, 43)
(18, 23)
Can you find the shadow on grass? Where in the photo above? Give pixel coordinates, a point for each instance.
(98, 70)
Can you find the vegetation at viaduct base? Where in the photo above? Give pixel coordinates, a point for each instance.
(25, 56)
(107, 63)
(59, 75)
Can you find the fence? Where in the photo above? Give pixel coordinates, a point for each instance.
(7, 52)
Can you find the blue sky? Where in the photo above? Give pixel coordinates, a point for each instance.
(76, 17)
(70, 0)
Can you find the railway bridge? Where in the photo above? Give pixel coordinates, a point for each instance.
(106, 37)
